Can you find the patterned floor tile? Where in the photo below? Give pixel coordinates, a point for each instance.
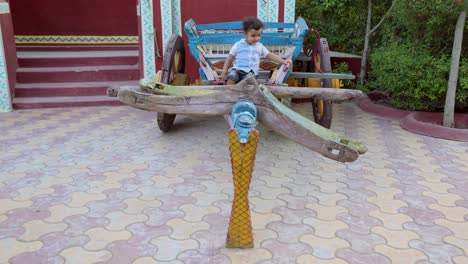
(392, 221)
(100, 238)
(37, 228)
(398, 239)
(120, 220)
(325, 229)
(289, 234)
(169, 249)
(103, 196)
(400, 255)
(354, 257)
(437, 253)
(12, 247)
(324, 248)
(255, 255)
(306, 259)
(79, 255)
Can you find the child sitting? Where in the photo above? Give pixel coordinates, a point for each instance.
(247, 53)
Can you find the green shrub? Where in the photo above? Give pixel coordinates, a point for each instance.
(415, 79)
(429, 24)
(343, 67)
(414, 75)
(341, 22)
(462, 89)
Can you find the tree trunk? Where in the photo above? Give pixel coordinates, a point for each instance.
(454, 67)
(369, 31)
(365, 53)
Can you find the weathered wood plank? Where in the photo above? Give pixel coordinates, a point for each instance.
(172, 104)
(337, 95)
(317, 75)
(306, 132)
(271, 112)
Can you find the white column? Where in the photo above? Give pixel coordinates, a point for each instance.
(5, 96)
(267, 10)
(166, 21)
(176, 18)
(147, 29)
(170, 19)
(262, 9)
(289, 11)
(273, 11)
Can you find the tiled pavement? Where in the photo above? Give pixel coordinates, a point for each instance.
(103, 184)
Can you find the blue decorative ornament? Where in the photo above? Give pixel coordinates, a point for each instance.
(244, 119)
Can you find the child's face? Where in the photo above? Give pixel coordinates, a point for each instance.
(253, 36)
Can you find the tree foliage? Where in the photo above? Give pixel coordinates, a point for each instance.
(416, 79)
(410, 53)
(429, 24)
(342, 22)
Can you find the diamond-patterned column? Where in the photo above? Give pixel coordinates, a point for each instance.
(166, 21)
(273, 10)
(170, 19)
(262, 9)
(176, 18)
(289, 11)
(5, 96)
(267, 10)
(147, 38)
(242, 161)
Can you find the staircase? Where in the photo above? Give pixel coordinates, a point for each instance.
(69, 78)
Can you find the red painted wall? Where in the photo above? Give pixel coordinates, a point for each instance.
(77, 17)
(10, 49)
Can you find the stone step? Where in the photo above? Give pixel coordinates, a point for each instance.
(69, 76)
(75, 47)
(59, 101)
(31, 59)
(68, 88)
(77, 74)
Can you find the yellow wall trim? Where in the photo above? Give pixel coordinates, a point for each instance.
(84, 40)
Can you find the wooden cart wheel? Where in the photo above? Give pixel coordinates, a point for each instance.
(323, 109)
(173, 63)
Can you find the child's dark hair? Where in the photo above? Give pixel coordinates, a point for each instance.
(252, 23)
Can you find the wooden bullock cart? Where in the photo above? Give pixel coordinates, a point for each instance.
(245, 103)
(209, 44)
(169, 94)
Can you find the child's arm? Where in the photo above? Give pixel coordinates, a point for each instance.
(278, 59)
(226, 66)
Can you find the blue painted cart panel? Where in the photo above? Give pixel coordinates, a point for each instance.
(285, 34)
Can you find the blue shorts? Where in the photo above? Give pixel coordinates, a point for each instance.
(238, 75)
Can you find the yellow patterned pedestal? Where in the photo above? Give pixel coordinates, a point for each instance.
(242, 160)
